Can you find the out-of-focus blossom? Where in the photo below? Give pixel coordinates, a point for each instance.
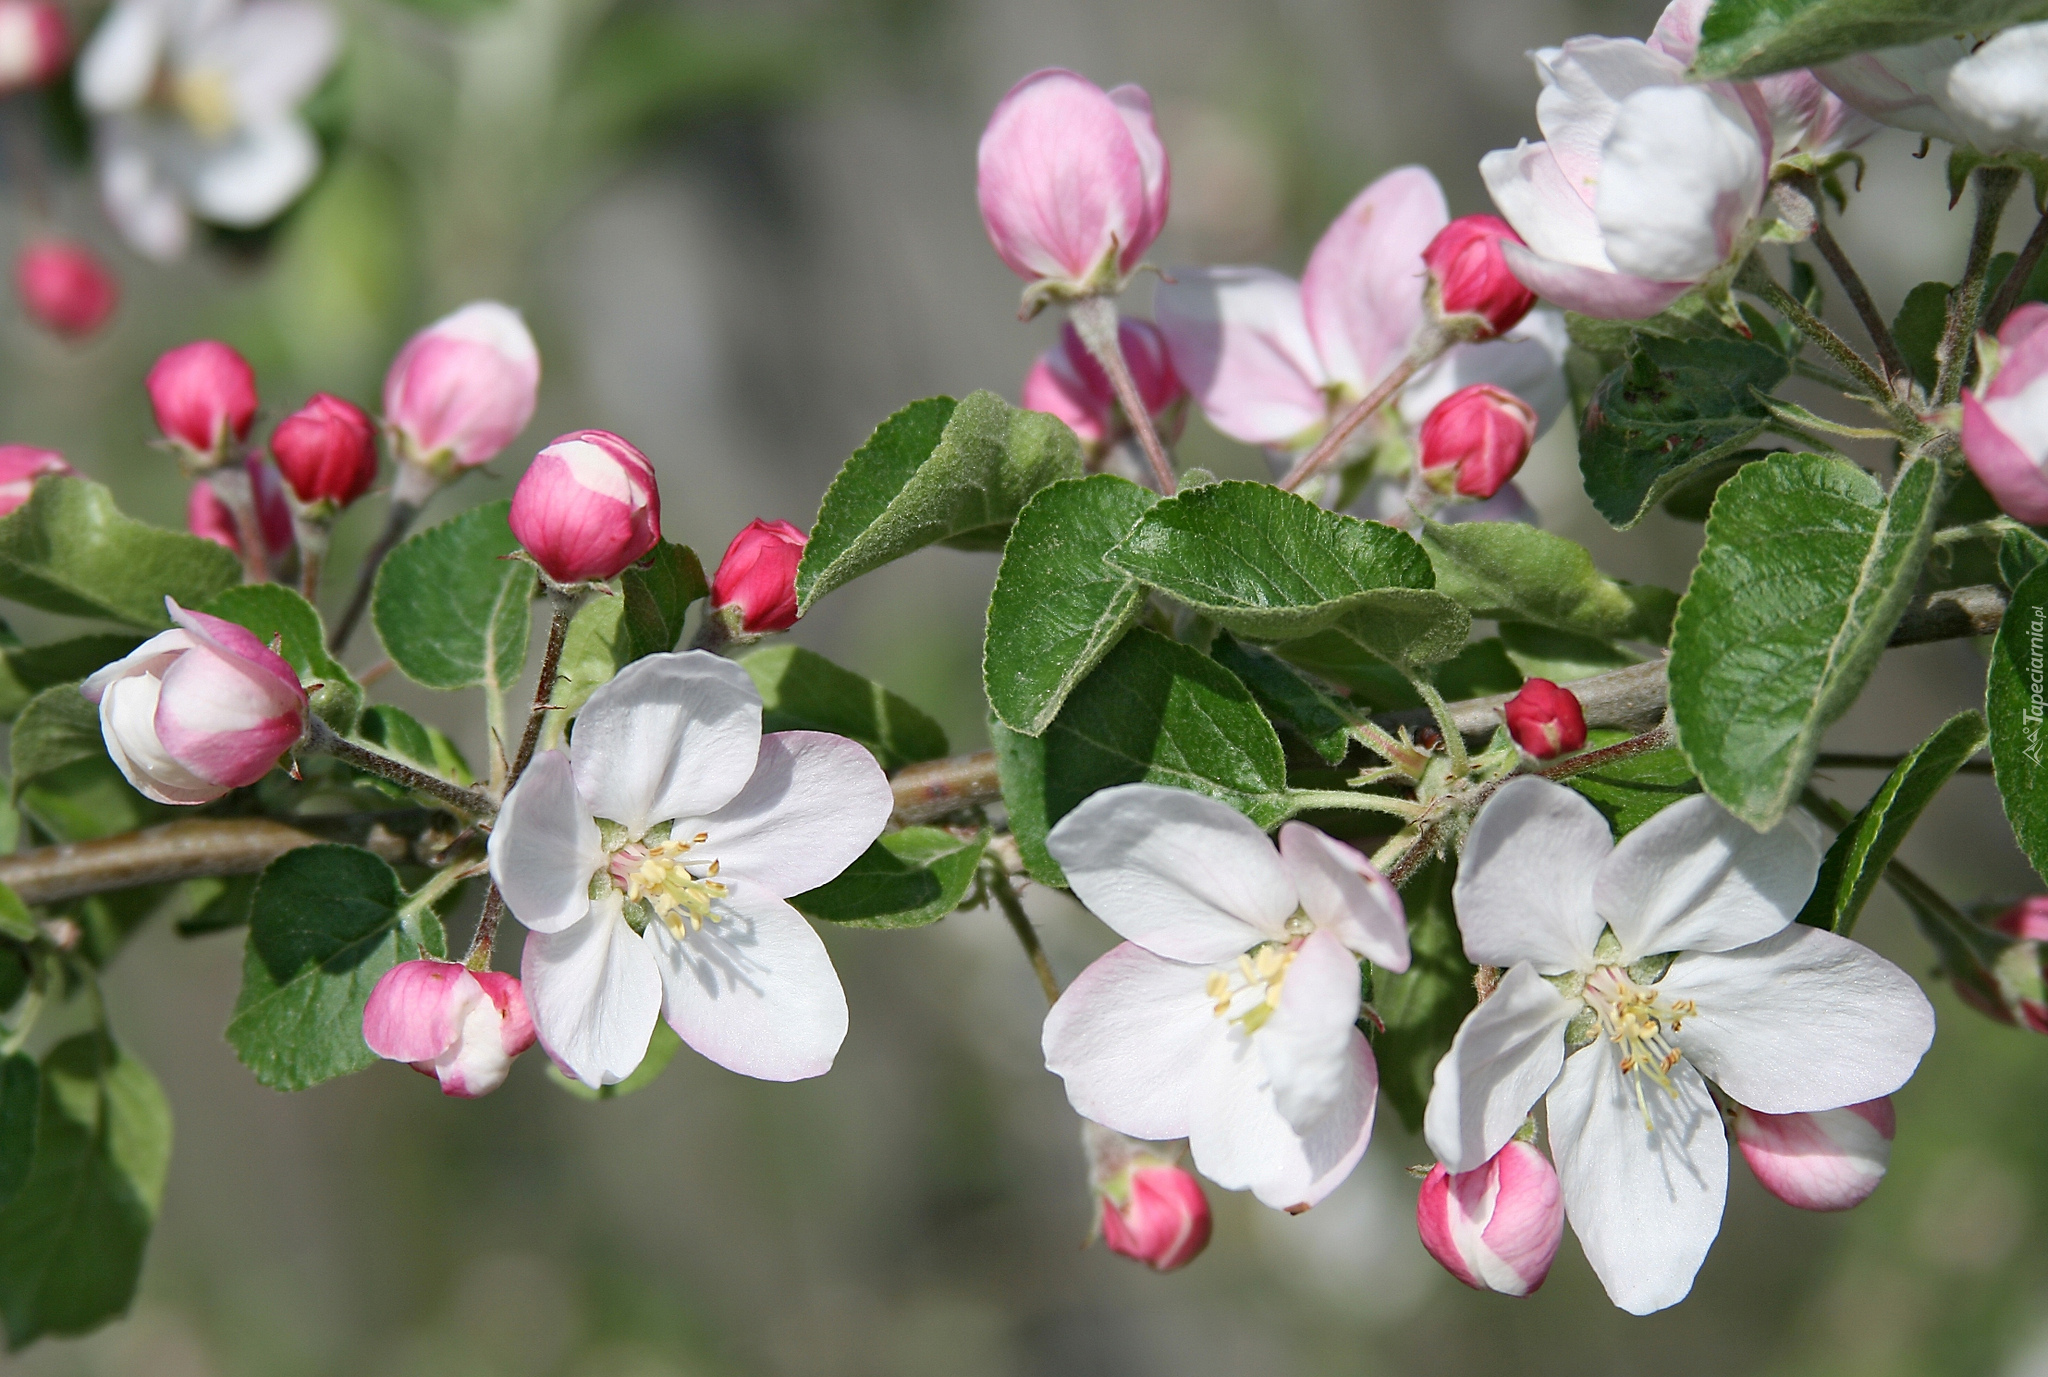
(211, 517)
(35, 43)
(1151, 1210)
(459, 392)
(1476, 439)
(1992, 97)
(1496, 1227)
(1073, 184)
(1805, 118)
(65, 287)
(1829, 1159)
(2005, 418)
(204, 397)
(461, 1027)
(1545, 719)
(21, 466)
(1067, 382)
(327, 452)
(2010, 983)
(1469, 275)
(196, 112)
(587, 507)
(755, 586)
(196, 711)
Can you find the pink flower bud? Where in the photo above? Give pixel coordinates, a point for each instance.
(194, 712)
(1545, 720)
(2012, 984)
(1496, 1227)
(461, 1027)
(1468, 274)
(35, 43)
(757, 577)
(1068, 382)
(1829, 1160)
(21, 466)
(461, 390)
(1150, 1208)
(1476, 439)
(2005, 419)
(1073, 182)
(211, 518)
(327, 451)
(64, 287)
(204, 394)
(2027, 919)
(587, 507)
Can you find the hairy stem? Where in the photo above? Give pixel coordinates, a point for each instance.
(478, 957)
(1020, 923)
(325, 739)
(1966, 303)
(1454, 741)
(1406, 809)
(1889, 354)
(1755, 278)
(1655, 739)
(1425, 350)
(563, 604)
(1094, 321)
(2008, 294)
(395, 526)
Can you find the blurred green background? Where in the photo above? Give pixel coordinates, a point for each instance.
(743, 234)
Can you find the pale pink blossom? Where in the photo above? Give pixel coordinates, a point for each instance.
(1496, 1227)
(1829, 1159)
(2005, 418)
(1804, 116)
(459, 392)
(21, 466)
(587, 507)
(1991, 96)
(1067, 382)
(462, 1027)
(65, 287)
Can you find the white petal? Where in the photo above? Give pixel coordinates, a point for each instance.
(1504, 1057)
(1536, 197)
(594, 994)
(1346, 896)
(2003, 86)
(1645, 1204)
(673, 736)
(1585, 83)
(1306, 1044)
(273, 53)
(754, 991)
(1130, 1037)
(1241, 1141)
(1682, 174)
(814, 804)
(119, 64)
(249, 180)
(1802, 1021)
(1525, 883)
(544, 847)
(1697, 878)
(1179, 874)
(128, 726)
(141, 199)
(1239, 340)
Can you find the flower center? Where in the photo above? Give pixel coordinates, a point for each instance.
(658, 876)
(1250, 994)
(1642, 1022)
(203, 96)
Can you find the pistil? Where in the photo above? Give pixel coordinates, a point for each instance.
(659, 876)
(1640, 1021)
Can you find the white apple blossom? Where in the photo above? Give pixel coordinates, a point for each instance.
(1229, 1015)
(651, 864)
(1636, 972)
(196, 112)
(1992, 97)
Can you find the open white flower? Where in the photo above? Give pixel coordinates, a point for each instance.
(1990, 96)
(196, 103)
(1229, 1016)
(651, 863)
(1635, 973)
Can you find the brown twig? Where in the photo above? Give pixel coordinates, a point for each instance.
(564, 607)
(155, 855)
(2016, 281)
(1020, 922)
(395, 527)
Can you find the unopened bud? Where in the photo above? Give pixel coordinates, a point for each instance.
(326, 451)
(1496, 1227)
(211, 517)
(1545, 720)
(65, 288)
(2009, 979)
(1828, 1160)
(1068, 383)
(587, 507)
(1475, 440)
(1469, 277)
(2027, 919)
(461, 1027)
(35, 43)
(459, 392)
(1152, 1210)
(20, 467)
(755, 586)
(204, 395)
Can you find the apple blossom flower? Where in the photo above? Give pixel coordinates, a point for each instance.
(1986, 96)
(459, 392)
(1073, 184)
(1544, 719)
(587, 507)
(210, 517)
(1635, 971)
(1228, 1015)
(195, 106)
(65, 288)
(21, 466)
(196, 711)
(1469, 275)
(652, 862)
(204, 397)
(2005, 417)
(1067, 382)
(327, 452)
(1475, 440)
(1805, 118)
(754, 589)
(1496, 1227)
(1831, 1159)
(461, 1027)
(1151, 1210)
(35, 43)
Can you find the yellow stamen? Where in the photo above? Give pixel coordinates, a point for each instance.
(663, 880)
(1639, 1020)
(1254, 995)
(206, 100)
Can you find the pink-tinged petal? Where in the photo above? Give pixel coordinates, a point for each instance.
(1181, 875)
(815, 802)
(2014, 479)
(1241, 1141)
(1240, 341)
(753, 991)
(476, 1062)
(1682, 173)
(1505, 1055)
(594, 992)
(1527, 361)
(1903, 87)
(1677, 32)
(1540, 202)
(243, 649)
(1525, 883)
(222, 722)
(465, 386)
(587, 507)
(1801, 1021)
(1697, 878)
(1306, 1044)
(1053, 387)
(417, 1007)
(545, 847)
(1135, 106)
(153, 656)
(1362, 290)
(1495, 1228)
(1585, 83)
(1831, 1159)
(1344, 893)
(1060, 178)
(1591, 292)
(128, 725)
(2023, 344)
(1129, 1037)
(674, 735)
(1645, 1203)
(515, 1021)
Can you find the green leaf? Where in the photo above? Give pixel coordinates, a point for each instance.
(2019, 554)
(27, 670)
(1922, 317)
(661, 1050)
(1674, 409)
(271, 610)
(63, 780)
(1288, 698)
(1542, 652)
(72, 1238)
(398, 733)
(1692, 499)
(57, 728)
(644, 617)
(1423, 1005)
(1512, 572)
(1856, 861)
(68, 549)
(21, 1092)
(2014, 695)
(1057, 607)
(904, 879)
(1752, 38)
(452, 611)
(217, 905)
(323, 928)
(801, 690)
(1806, 569)
(936, 470)
(1630, 792)
(1155, 711)
(15, 920)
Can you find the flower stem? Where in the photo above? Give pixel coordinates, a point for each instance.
(1027, 936)
(230, 483)
(1425, 350)
(2008, 294)
(1094, 319)
(1994, 188)
(1454, 740)
(433, 891)
(1889, 354)
(1756, 279)
(1406, 809)
(563, 603)
(478, 957)
(324, 738)
(395, 527)
(313, 540)
(1655, 739)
